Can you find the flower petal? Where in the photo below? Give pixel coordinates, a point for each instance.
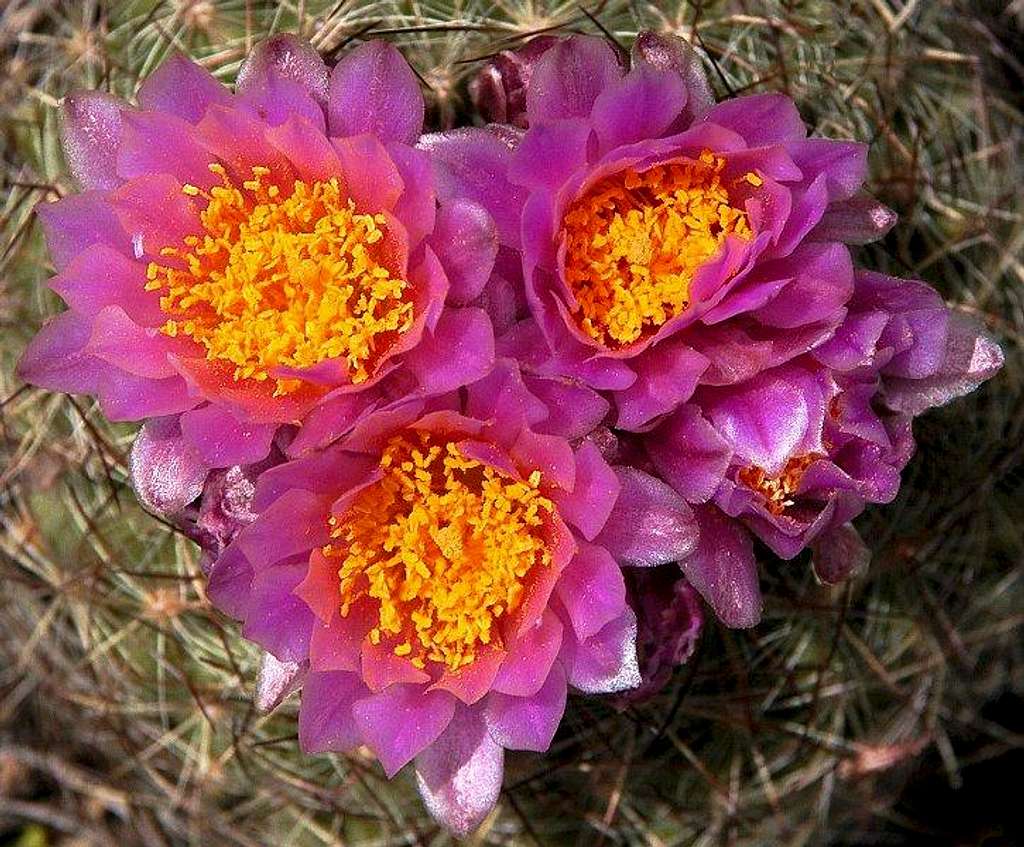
(90, 135)
(373, 90)
(530, 657)
(606, 662)
(761, 119)
(669, 52)
(689, 454)
(284, 76)
(591, 590)
(666, 376)
(326, 722)
(569, 77)
(838, 554)
(465, 240)
(594, 494)
(275, 680)
(528, 723)
(397, 724)
(971, 357)
(650, 524)
(459, 775)
(182, 88)
(472, 164)
(643, 104)
(723, 568)
(167, 472)
(224, 440)
(458, 352)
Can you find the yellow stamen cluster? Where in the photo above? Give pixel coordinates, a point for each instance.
(635, 240)
(444, 543)
(778, 491)
(283, 280)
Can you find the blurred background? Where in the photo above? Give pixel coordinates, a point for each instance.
(886, 711)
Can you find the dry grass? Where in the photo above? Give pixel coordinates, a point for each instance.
(124, 698)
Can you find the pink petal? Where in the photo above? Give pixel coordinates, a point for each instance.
(54, 360)
(761, 119)
(723, 569)
(859, 220)
(372, 178)
(689, 454)
(650, 524)
(666, 377)
(79, 221)
(643, 104)
(397, 724)
(381, 668)
(284, 76)
(971, 357)
(275, 680)
(574, 410)
(417, 206)
(458, 352)
(605, 662)
(326, 722)
(99, 277)
(466, 242)
(224, 440)
(275, 618)
(90, 135)
(309, 151)
(669, 52)
(373, 90)
(594, 493)
(472, 164)
(591, 590)
(530, 657)
(569, 77)
(528, 723)
(472, 682)
(159, 143)
(459, 775)
(550, 153)
(182, 88)
(166, 471)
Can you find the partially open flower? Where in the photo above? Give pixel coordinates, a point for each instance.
(240, 258)
(666, 241)
(444, 572)
(797, 451)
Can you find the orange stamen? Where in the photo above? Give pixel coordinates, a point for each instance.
(283, 280)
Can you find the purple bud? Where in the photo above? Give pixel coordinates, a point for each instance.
(499, 90)
(839, 554)
(669, 622)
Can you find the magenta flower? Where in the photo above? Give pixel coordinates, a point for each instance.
(794, 453)
(443, 573)
(242, 258)
(666, 241)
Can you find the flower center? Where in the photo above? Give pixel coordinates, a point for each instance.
(778, 491)
(635, 240)
(445, 544)
(281, 281)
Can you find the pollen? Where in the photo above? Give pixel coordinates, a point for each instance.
(282, 279)
(446, 546)
(778, 491)
(635, 240)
